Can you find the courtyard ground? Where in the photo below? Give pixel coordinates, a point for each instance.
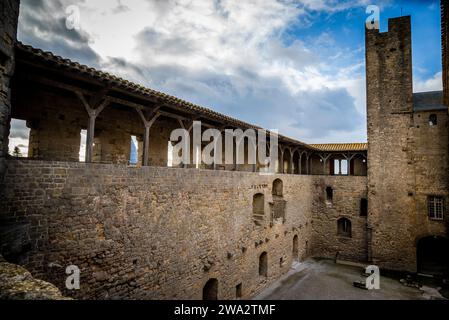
(322, 279)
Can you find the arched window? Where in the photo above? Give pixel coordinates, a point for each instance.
(278, 188)
(279, 204)
(344, 228)
(258, 207)
(210, 290)
(263, 265)
(433, 120)
(329, 194)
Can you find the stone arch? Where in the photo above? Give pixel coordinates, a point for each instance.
(210, 290)
(432, 255)
(263, 264)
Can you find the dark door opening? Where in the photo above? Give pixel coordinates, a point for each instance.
(432, 255)
(210, 290)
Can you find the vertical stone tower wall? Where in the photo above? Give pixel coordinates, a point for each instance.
(445, 47)
(8, 32)
(391, 181)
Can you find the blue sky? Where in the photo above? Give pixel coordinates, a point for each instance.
(296, 66)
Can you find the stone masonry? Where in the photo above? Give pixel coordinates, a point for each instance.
(8, 31)
(154, 232)
(407, 157)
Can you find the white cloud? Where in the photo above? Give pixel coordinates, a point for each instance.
(434, 83)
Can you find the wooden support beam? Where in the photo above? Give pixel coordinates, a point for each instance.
(148, 123)
(93, 114)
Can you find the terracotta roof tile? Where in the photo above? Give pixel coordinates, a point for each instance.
(331, 147)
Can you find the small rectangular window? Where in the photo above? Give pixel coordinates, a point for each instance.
(83, 139)
(134, 152)
(19, 139)
(435, 207)
(238, 291)
(363, 207)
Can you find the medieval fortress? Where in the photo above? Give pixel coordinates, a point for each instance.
(218, 230)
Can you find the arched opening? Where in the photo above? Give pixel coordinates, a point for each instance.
(358, 166)
(432, 255)
(286, 161)
(295, 252)
(316, 165)
(263, 265)
(210, 290)
(279, 161)
(344, 228)
(296, 164)
(258, 208)
(278, 188)
(304, 166)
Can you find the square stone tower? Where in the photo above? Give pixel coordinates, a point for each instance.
(8, 34)
(391, 178)
(445, 48)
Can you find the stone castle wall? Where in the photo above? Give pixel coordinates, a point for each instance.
(8, 31)
(162, 233)
(407, 158)
(391, 176)
(347, 195)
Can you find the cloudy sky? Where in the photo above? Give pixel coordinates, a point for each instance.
(293, 65)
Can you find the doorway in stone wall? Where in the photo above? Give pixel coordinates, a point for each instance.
(210, 290)
(432, 255)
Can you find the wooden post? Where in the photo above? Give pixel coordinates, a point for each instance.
(93, 114)
(146, 138)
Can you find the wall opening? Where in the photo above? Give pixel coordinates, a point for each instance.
(295, 251)
(238, 291)
(83, 141)
(258, 208)
(286, 162)
(198, 157)
(296, 164)
(329, 195)
(210, 290)
(432, 257)
(19, 139)
(344, 167)
(278, 205)
(278, 188)
(170, 154)
(433, 120)
(336, 170)
(134, 151)
(363, 207)
(344, 228)
(263, 265)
